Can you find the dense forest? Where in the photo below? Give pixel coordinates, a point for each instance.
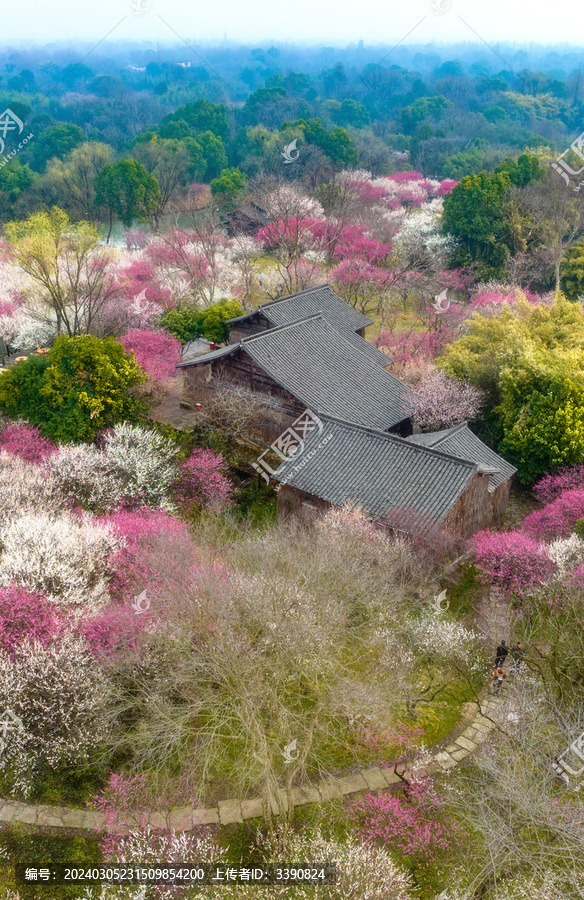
(236, 107)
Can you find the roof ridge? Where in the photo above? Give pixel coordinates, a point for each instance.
(340, 336)
(317, 287)
(450, 431)
(261, 334)
(376, 432)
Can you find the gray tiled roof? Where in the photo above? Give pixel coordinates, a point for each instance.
(462, 442)
(316, 363)
(382, 473)
(324, 370)
(323, 300)
(306, 303)
(204, 358)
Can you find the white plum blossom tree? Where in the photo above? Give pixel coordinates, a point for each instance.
(146, 460)
(66, 557)
(59, 695)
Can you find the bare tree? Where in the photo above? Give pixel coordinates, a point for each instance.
(525, 822)
(558, 213)
(265, 651)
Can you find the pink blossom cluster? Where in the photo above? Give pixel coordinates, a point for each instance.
(411, 189)
(403, 346)
(122, 800)
(139, 277)
(156, 352)
(556, 519)
(26, 615)
(409, 821)
(135, 239)
(511, 559)
(115, 630)
(26, 442)
(140, 528)
(202, 480)
(549, 488)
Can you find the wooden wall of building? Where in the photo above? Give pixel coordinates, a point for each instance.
(201, 382)
(471, 511)
(299, 505)
(241, 330)
(498, 502)
(475, 509)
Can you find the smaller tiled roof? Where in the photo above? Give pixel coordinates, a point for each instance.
(321, 299)
(462, 442)
(348, 463)
(204, 358)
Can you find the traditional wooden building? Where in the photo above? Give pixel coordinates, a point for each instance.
(402, 484)
(307, 364)
(462, 442)
(322, 299)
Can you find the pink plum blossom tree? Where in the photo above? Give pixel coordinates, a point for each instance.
(439, 401)
(26, 442)
(202, 480)
(512, 560)
(156, 352)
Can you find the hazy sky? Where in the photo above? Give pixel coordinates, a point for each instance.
(323, 21)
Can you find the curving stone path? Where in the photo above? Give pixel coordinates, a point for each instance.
(228, 812)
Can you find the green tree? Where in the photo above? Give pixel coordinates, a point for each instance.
(126, 191)
(337, 143)
(530, 362)
(82, 386)
(542, 413)
(73, 178)
(410, 117)
(15, 179)
(200, 116)
(185, 323)
(572, 272)
(190, 322)
(474, 215)
(353, 113)
(523, 172)
(214, 327)
(214, 153)
(55, 142)
(170, 162)
(229, 187)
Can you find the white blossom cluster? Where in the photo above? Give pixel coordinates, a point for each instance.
(135, 463)
(566, 553)
(65, 557)
(59, 695)
(147, 847)
(440, 637)
(26, 488)
(286, 201)
(527, 887)
(364, 872)
(145, 459)
(85, 475)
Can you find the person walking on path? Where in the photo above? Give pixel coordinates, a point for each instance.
(518, 654)
(501, 654)
(499, 675)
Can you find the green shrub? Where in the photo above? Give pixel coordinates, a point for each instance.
(81, 387)
(189, 322)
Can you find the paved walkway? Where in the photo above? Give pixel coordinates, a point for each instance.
(237, 811)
